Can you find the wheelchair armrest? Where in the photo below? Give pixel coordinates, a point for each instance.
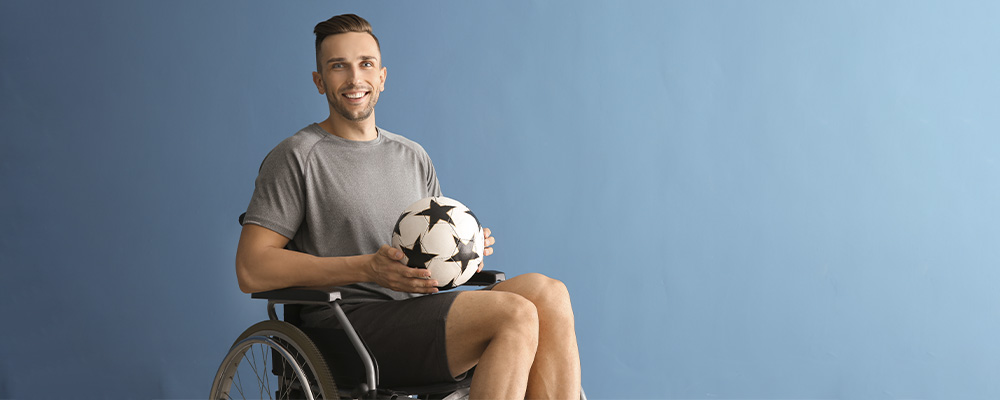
(299, 295)
(486, 278)
(321, 295)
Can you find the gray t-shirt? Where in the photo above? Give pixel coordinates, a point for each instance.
(336, 197)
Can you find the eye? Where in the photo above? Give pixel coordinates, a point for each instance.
(337, 65)
(368, 64)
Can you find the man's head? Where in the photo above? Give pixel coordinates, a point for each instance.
(341, 24)
(349, 67)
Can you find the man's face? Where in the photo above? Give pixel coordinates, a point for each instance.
(351, 74)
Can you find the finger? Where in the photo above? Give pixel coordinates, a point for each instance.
(488, 251)
(395, 254)
(413, 273)
(490, 241)
(487, 232)
(423, 286)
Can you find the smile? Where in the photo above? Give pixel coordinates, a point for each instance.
(355, 95)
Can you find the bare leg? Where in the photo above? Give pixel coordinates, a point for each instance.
(555, 372)
(499, 332)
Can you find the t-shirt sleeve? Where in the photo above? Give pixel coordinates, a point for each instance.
(433, 186)
(278, 197)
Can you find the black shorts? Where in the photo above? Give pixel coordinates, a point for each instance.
(407, 337)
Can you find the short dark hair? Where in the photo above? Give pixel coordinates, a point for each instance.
(341, 24)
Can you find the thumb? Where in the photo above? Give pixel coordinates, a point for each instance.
(393, 253)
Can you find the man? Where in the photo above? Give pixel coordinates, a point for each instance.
(331, 193)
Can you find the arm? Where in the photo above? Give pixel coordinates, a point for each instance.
(263, 263)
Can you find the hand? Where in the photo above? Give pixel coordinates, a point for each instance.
(488, 241)
(385, 270)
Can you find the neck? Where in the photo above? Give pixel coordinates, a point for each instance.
(351, 130)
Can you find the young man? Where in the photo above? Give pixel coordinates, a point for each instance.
(331, 193)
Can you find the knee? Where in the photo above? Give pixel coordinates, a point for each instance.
(549, 295)
(518, 318)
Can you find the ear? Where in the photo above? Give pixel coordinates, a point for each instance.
(382, 80)
(318, 81)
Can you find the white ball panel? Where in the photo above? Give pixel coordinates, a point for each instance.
(480, 243)
(412, 227)
(440, 240)
(444, 271)
(465, 225)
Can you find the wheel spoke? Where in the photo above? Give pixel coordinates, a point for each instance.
(267, 381)
(261, 376)
(289, 383)
(240, 380)
(252, 365)
(286, 386)
(252, 362)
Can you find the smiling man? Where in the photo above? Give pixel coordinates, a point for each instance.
(351, 79)
(322, 213)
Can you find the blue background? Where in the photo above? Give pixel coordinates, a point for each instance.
(772, 199)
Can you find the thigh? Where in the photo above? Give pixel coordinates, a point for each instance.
(475, 317)
(407, 337)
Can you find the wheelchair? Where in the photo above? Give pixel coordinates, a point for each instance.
(276, 359)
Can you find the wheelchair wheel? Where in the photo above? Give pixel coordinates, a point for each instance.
(273, 360)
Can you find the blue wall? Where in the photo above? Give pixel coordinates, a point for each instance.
(773, 199)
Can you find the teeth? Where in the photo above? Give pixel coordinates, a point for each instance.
(354, 95)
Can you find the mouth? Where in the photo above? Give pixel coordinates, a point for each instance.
(355, 96)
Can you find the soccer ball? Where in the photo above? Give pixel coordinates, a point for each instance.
(442, 235)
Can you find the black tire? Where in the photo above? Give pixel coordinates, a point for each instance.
(253, 349)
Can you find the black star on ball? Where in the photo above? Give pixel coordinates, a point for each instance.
(437, 212)
(415, 256)
(466, 252)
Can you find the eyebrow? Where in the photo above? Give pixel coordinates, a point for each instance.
(342, 59)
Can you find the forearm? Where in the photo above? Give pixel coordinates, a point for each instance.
(262, 267)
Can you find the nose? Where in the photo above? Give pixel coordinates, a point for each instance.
(354, 74)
